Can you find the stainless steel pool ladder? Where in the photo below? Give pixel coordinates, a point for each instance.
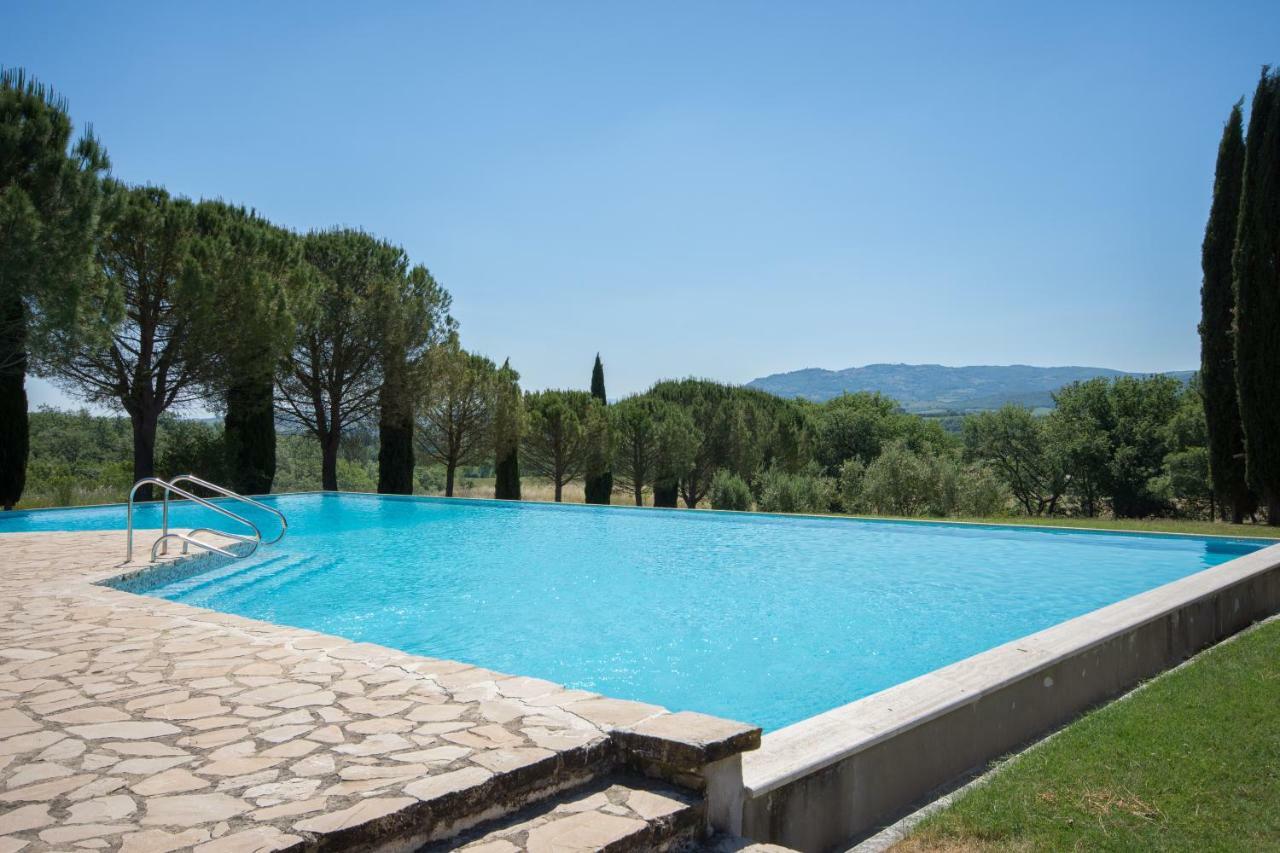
(161, 545)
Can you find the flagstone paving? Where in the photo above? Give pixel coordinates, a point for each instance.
(135, 724)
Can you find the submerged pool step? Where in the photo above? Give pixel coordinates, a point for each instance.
(615, 814)
(236, 581)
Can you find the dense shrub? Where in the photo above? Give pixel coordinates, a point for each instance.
(899, 482)
(729, 491)
(983, 493)
(902, 481)
(806, 491)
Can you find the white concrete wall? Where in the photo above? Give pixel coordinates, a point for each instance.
(827, 780)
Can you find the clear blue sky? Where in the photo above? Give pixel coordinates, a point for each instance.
(717, 189)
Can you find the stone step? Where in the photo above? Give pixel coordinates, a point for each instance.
(617, 814)
(721, 843)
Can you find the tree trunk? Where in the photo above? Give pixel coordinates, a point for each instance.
(144, 448)
(1273, 509)
(329, 462)
(448, 479)
(666, 495)
(506, 483)
(559, 490)
(14, 424)
(639, 494)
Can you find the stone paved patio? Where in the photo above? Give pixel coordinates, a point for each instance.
(135, 724)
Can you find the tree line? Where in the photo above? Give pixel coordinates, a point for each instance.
(1240, 311)
(130, 296)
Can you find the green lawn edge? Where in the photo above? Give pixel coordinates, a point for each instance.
(1189, 762)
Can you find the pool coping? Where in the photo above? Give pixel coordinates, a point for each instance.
(824, 781)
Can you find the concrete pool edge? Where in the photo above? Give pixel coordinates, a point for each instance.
(827, 780)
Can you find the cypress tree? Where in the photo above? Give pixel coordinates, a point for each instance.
(14, 428)
(598, 488)
(416, 323)
(249, 265)
(508, 421)
(1256, 266)
(249, 431)
(1217, 303)
(395, 429)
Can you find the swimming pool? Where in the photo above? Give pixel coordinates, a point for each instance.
(767, 619)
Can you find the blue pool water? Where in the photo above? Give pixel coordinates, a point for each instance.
(760, 618)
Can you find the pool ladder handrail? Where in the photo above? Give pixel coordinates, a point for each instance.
(161, 545)
(225, 492)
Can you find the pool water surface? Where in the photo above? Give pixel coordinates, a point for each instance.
(766, 619)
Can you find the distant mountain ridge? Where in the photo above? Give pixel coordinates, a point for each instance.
(924, 388)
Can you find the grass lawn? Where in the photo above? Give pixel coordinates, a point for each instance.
(1190, 762)
(1140, 525)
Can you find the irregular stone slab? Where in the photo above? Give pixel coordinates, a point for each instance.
(374, 707)
(92, 714)
(189, 809)
(314, 765)
(71, 834)
(443, 784)
(367, 811)
(284, 733)
(144, 749)
(652, 806)
(124, 730)
(289, 789)
(256, 840)
(148, 766)
(25, 817)
(688, 740)
(291, 809)
(237, 766)
(614, 713)
(159, 841)
(585, 831)
(29, 742)
(437, 713)
(434, 755)
(176, 781)
(380, 725)
(96, 788)
(43, 791)
(359, 772)
(191, 709)
(102, 809)
(37, 772)
(508, 760)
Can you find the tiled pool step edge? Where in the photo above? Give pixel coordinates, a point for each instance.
(826, 781)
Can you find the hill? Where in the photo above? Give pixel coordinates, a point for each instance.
(925, 388)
